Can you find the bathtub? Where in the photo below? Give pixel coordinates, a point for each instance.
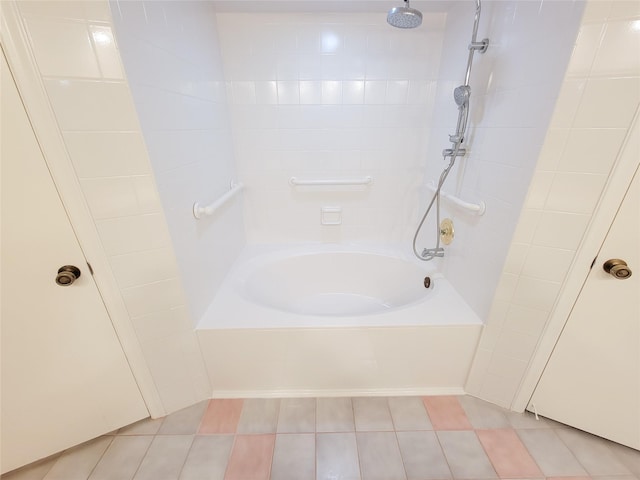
(336, 320)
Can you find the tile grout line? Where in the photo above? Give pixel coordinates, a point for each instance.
(101, 457)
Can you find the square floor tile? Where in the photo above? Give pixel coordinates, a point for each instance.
(465, 455)
(337, 456)
(409, 413)
(208, 458)
(379, 456)
(297, 415)
(422, 456)
(294, 457)
(372, 414)
(334, 415)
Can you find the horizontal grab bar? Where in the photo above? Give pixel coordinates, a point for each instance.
(199, 211)
(294, 182)
(478, 208)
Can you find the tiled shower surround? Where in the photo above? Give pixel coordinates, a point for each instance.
(390, 123)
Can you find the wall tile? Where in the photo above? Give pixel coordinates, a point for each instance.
(616, 56)
(575, 192)
(106, 52)
(135, 233)
(63, 48)
(591, 150)
(588, 127)
(153, 297)
(82, 105)
(107, 154)
(608, 103)
(143, 267)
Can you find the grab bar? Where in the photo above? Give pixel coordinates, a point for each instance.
(478, 208)
(294, 182)
(199, 211)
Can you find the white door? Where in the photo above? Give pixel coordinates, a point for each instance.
(65, 378)
(592, 380)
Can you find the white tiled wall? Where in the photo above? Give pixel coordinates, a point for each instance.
(173, 64)
(81, 69)
(320, 96)
(514, 86)
(600, 93)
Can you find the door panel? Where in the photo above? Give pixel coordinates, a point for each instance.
(592, 380)
(65, 378)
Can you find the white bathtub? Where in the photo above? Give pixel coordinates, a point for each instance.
(334, 320)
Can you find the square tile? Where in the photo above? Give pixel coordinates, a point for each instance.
(372, 414)
(337, 456)
(122, 458)
(222, 416)
(409, 413)
(483, 414)
(183, 422)
(422, 456)
(465, 455)
(508, 455)
(550, 453)
(593, 453)
(446, 413)
(334, 415)
(165, 457)
(78, 463)
(259, 415)
(379, 456)
(297, 415)
(251, 457)
(294, 457)
(208, 458)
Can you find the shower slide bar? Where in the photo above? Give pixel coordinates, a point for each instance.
(200, 211)
(295, 182)
(478, 208)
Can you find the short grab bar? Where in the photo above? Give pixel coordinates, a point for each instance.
(478, 208)
(294, 182)
(199, 211)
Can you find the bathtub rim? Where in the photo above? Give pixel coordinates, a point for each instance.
(229, 302)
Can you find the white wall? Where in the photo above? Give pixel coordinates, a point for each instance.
(172, 60)
(598, 98)
(514, 86)
(81, 70)
(321, 96)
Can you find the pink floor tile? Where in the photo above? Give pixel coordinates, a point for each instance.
(251, 458)
(446, 413)
(509, 456)
(221, 416)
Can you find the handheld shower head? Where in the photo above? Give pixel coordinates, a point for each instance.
(404, 17)
(461, 95)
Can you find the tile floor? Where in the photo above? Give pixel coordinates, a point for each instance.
(377, 438)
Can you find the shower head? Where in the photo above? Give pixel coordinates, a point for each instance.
(404, 17)
(461, 95)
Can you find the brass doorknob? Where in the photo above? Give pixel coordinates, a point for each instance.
(617, 268)
(67, 275)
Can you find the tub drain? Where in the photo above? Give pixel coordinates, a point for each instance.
(427, 282)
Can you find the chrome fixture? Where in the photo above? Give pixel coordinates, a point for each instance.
(461, 96)
(404, 17)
